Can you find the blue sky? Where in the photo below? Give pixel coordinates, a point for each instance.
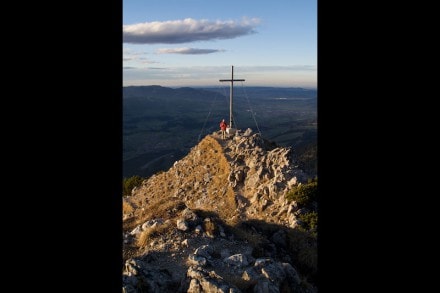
(194, 42)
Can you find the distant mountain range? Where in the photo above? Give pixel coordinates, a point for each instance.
(161, 124)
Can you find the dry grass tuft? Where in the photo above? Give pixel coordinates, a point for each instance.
(127, 208)
(166, 208)
(152, 232)
(209, 227)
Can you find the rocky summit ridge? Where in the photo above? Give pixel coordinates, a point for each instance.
(219, 221)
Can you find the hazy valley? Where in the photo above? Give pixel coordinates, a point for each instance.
(161, 124)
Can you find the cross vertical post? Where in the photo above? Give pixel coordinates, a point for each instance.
(231, 94)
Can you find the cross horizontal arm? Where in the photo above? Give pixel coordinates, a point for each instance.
(231, 80)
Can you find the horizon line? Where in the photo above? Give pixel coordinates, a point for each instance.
(216, 86)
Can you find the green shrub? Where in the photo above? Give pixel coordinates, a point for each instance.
(303, 248)
(129, 183)
(304, 194)
(309, 221)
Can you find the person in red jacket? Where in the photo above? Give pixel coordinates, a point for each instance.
(223, 126)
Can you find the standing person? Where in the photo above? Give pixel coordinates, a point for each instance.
(223, 126)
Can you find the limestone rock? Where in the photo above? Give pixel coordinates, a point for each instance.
(238, 260)
(182, 225)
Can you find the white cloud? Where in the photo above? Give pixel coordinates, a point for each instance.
(130, 55)
(188, 51)
(186, 30)
(279, 68)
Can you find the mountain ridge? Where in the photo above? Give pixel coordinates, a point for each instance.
(220, 218)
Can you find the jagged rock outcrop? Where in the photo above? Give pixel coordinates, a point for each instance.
(194, 228)
(261, 174)
(203, 280)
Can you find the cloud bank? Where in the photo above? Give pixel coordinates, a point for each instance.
(186, 30)
(188, 51)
